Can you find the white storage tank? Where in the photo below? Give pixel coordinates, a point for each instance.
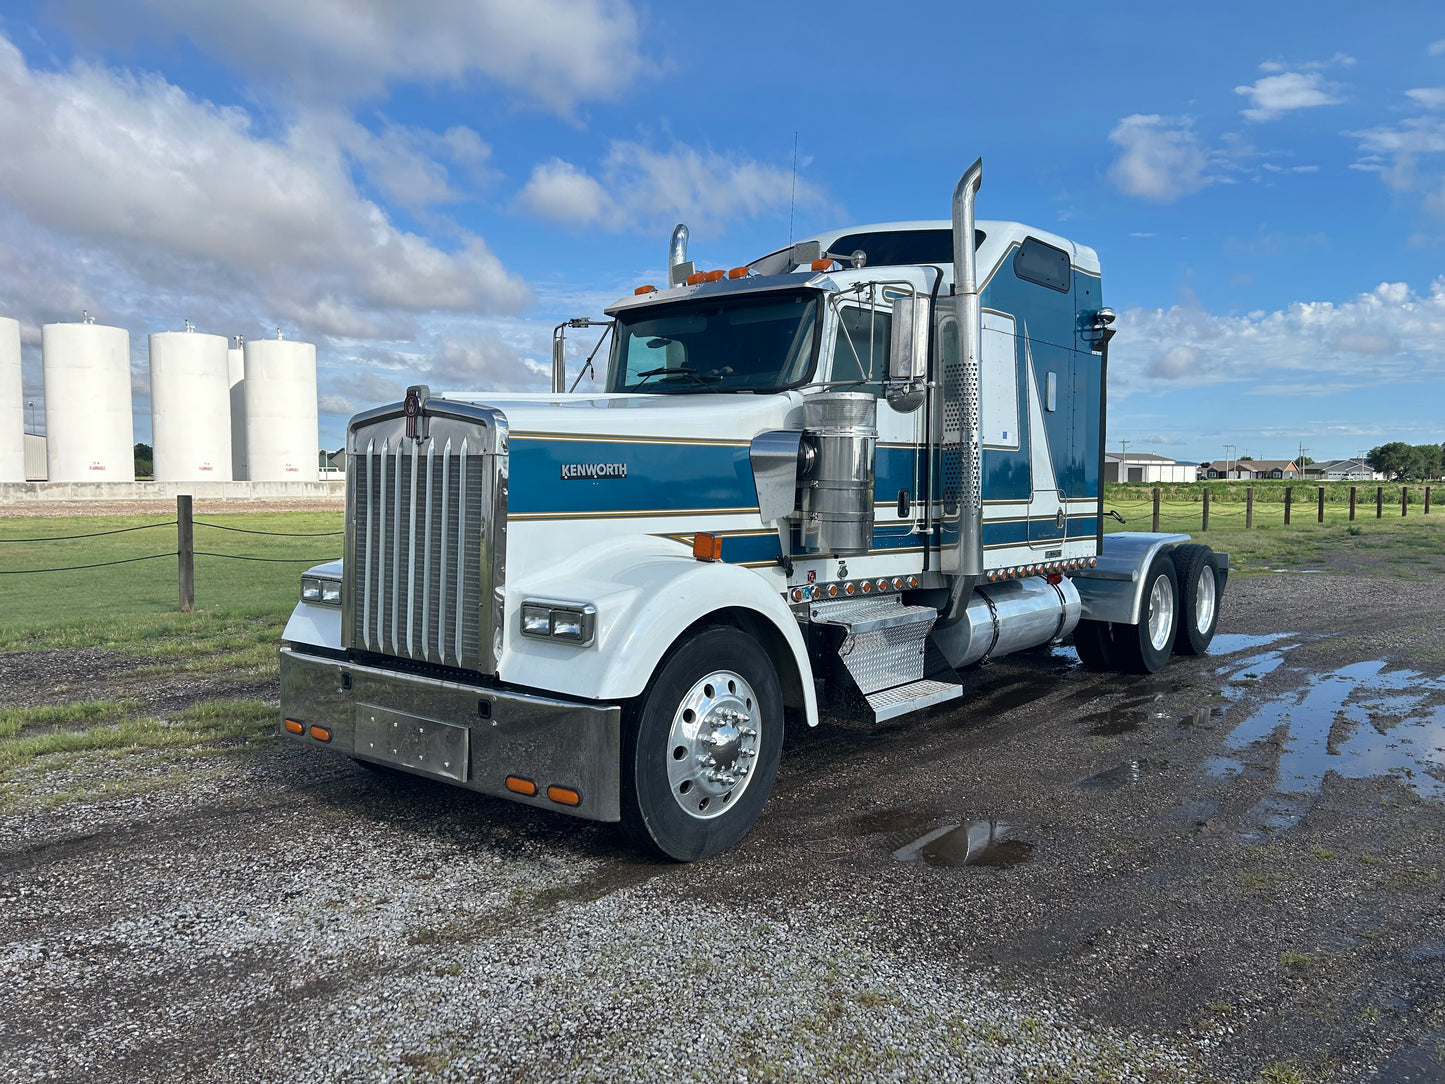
(236, 375)
(90, 436)
(190, 407)
(12, 404)
(283, 434)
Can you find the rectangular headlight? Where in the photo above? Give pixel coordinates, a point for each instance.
(575, 623)
(316, 589)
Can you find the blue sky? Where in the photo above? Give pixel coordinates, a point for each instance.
(424, 189)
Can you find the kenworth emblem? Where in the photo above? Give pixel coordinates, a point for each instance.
(593, 470)
(416, 397)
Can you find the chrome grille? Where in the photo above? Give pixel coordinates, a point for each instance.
(423, 570)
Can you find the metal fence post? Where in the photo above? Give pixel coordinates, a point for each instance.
(1248, 507)
(1156, 510)
(1288, 501)
(1205, 525)
(1379, 502)
(1322, 504)
(1352, 503)
(185, 553)
(1404, 500)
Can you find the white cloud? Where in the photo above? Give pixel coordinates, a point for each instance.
(1275, 95)
(1161, 159)
(1436, 48)
(177, 190)
(557, 52)
(1429, 97)
(1390, 334)
(640, 186)
(1394, 151)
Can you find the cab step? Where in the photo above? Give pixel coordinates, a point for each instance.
(883, 640)
(915, 696)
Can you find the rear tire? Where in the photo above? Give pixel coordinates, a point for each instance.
(1144, 648)
(701, 746)
(1094, 641)
(1198, 599)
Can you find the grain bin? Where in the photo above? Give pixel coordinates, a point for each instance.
(12, 404)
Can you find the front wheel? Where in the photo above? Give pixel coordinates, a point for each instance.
(701, 747)
(1144, 648)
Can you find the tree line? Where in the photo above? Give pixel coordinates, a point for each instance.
(1403, 462)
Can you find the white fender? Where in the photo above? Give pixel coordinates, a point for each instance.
(647, 591)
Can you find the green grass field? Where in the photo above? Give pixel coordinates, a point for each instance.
(134, 607)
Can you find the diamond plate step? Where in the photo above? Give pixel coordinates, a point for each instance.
(901, 699)
(859, 615)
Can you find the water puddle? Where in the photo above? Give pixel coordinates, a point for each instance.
(1360, 721)
(1119, 720)
(1122, 775)
(1228, 643)
(973, 843)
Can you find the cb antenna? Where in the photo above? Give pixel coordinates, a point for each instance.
(793, 194)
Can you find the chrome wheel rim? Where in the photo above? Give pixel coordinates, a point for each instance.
(1161, 613)
(1206, 592)
(713, 744)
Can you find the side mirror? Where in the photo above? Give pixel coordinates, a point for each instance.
(908, 353)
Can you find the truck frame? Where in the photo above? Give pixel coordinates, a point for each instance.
(821, 483)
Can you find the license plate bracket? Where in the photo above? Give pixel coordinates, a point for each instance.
(412, 741)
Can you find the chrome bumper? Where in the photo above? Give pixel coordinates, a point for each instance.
(465, 735)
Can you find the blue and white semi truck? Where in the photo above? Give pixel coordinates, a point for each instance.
(822, 483)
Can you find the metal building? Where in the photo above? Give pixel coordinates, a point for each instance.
(283, 434)
(236, 375)
(12, 404)
(190, 407)
(90, 436)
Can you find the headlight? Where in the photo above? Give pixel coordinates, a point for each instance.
(315, 589)
(572, 622)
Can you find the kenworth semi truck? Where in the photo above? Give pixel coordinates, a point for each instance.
(821, 483)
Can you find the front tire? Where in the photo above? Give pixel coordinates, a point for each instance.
(701, 747)
(1144, 648)
(1198, 599)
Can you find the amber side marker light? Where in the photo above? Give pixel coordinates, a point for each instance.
(707, 547)
(295, 727)
(320, 733)
(822, 265)
(517, 785)
(564, 796)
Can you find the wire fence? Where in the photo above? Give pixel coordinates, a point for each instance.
(1143, 507)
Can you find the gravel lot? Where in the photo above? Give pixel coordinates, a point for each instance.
(1229, 871)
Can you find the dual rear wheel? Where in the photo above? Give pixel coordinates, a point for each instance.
(1180, 613)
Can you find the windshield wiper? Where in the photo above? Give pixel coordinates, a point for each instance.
(680, 370)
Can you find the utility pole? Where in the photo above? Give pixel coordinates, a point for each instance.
(1229, 450)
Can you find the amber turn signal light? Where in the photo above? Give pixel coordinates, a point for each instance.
(822, 265)
(564, 796)
(295, 727)
(320, 733)
(517, 785)
(707, 547)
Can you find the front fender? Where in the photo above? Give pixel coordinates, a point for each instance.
(647, 591)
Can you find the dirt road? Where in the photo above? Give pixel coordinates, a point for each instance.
(1229, 871)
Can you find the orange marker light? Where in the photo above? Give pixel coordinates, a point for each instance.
(822, 265)
(694, 278)
(320, 733)
(517, 785)
(295, 727)
(564, 795)
(645, 290)
(707, 547)
(832, 590)
(738, 273)
(713, 276)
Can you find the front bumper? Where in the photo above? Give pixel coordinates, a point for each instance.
(465, 735)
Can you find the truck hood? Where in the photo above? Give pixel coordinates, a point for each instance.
(722, 417)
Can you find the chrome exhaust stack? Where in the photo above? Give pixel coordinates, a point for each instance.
(966, 556)
(678, 267)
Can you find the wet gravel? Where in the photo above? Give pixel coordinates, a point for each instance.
(1156, 914)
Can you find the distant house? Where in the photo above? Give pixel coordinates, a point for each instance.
(1145, 467)
(1231, 469)
(1342, 470)
(1251, 468)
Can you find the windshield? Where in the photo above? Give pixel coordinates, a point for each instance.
(756, 342)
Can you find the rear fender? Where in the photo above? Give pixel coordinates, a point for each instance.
(648, 592)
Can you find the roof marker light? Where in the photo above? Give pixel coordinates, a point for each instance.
(738, 273)
(712, 276)
(645, 290)
(694, 279)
